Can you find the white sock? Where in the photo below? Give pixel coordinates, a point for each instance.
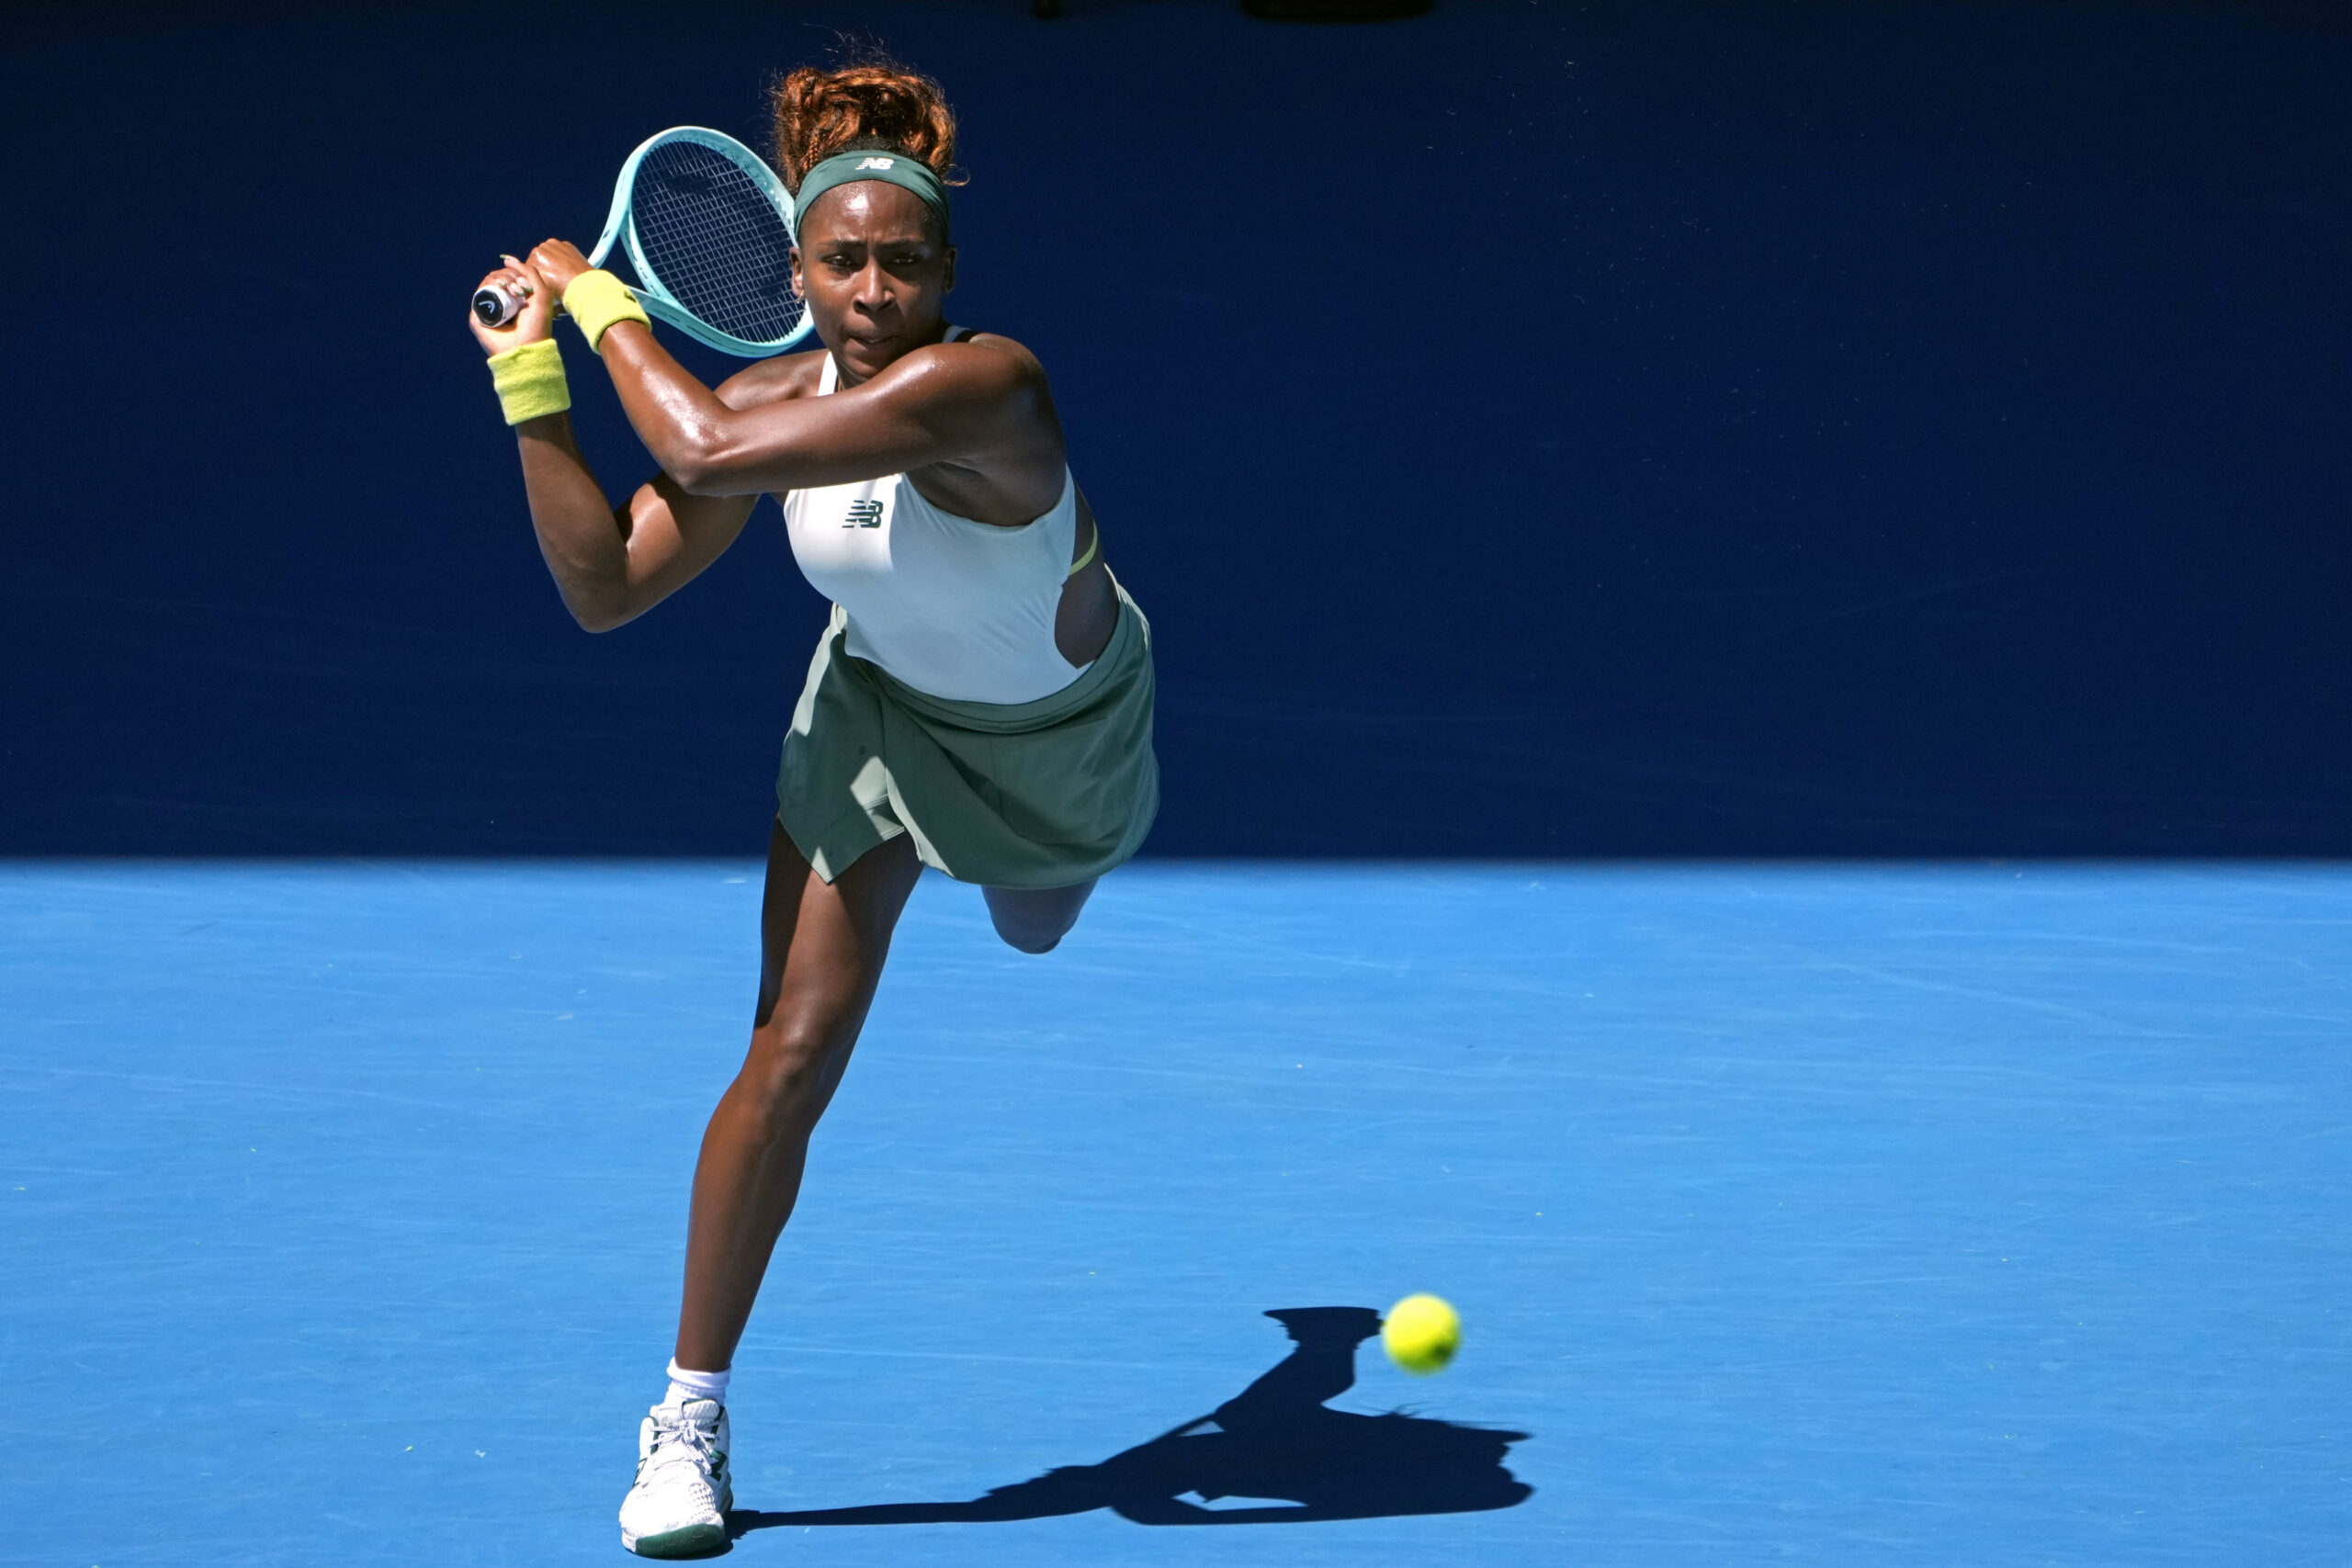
(685, 1386)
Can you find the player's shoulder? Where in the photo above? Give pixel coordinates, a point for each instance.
(776, 380)
(983, 359)
(998, 344)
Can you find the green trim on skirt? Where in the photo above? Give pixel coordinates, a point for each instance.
(1006, 794)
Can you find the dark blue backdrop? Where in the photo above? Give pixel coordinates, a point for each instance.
(1535, 429)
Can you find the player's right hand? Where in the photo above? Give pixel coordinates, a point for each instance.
(537, 319)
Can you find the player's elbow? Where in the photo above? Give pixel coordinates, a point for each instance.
(721, 458)
(600, 614)
(693, 469)
(705, 463)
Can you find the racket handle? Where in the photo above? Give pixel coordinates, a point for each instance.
(495, 306)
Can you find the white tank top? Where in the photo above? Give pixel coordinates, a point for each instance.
(958, 609)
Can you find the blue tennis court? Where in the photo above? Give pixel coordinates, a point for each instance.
(1851, 1214)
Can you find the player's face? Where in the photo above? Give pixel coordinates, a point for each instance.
(871, 266)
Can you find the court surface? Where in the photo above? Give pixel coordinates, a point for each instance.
(1855, 1216)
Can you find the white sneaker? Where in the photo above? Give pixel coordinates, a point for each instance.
(678, 1506)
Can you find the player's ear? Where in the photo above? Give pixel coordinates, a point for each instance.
(948, 287)
(797, 289)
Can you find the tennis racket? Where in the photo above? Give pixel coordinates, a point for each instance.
(708, 230)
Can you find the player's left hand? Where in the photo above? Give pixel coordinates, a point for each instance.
(557, 262)
(537, 319)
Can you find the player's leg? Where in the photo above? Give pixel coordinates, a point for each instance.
(821, 950)
(1035, 918)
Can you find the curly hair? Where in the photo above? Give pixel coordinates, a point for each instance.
(869, 101)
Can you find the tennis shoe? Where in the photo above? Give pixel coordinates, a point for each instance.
(678, 1506)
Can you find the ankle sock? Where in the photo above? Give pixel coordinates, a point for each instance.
(685, 1385)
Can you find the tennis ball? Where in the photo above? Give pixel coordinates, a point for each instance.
(1421, 1334)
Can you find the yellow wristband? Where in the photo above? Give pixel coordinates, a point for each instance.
(596, 300)
(529, 380)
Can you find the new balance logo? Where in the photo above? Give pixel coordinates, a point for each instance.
(863, 515)
(876, 162)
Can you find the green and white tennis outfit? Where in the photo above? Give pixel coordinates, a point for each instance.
(938, 705)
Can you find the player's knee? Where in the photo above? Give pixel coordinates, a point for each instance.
(784, 1070)
(1036, 922)
(1023, 930)
(1031, 940)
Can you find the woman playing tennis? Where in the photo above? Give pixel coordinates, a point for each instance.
(982, 701)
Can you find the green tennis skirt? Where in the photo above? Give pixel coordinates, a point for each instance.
(1006, 794)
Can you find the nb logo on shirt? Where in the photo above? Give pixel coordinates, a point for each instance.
(863, 515)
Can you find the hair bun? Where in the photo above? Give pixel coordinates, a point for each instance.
(870, 102)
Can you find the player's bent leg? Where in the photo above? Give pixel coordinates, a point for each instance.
(1035, 920)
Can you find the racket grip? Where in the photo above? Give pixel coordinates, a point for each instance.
(495, 306)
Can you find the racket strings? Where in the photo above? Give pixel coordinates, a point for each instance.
(710, 237)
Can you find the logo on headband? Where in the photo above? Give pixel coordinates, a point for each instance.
(877, 163)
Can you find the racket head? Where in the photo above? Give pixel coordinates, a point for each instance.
(708, 230)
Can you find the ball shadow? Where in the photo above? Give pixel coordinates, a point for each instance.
(1274, 1444)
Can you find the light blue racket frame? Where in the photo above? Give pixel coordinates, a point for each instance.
(619, 225)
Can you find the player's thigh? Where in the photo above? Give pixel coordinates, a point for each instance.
(822, 944)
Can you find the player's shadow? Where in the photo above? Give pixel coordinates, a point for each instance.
(1274, 1444)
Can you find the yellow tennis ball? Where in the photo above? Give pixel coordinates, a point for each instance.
(1421, 1334)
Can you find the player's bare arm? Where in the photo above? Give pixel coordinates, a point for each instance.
(612, 564)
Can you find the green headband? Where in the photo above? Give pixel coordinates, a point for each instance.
(891, 168)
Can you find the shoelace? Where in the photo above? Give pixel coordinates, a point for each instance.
(682, 1441)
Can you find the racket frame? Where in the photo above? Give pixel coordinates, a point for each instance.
(620, 225)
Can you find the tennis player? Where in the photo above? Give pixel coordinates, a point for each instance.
(981, 703)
